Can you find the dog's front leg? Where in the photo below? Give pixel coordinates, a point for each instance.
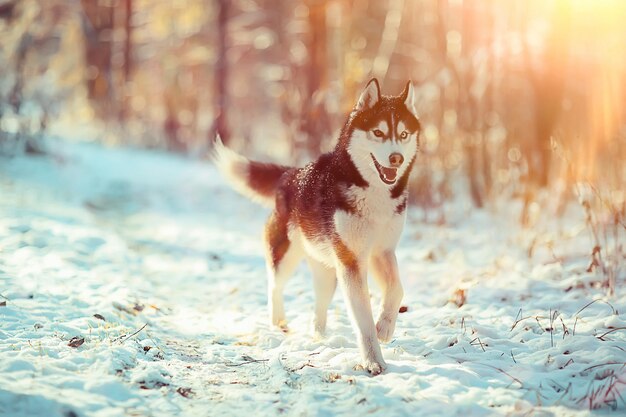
(385, 271)
(353, 280)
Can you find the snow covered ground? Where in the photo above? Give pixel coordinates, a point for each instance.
(133, 283)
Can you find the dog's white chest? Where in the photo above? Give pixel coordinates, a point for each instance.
(372, 203)
(375, 223)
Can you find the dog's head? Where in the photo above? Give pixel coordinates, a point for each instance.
(384, 133)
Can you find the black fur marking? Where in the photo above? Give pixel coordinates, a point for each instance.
(402, 206)
(367, 119)
(317, 191)
(375, 81)
(405, 93)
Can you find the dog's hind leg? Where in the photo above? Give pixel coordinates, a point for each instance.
(282, 259)
(385, 271)
(324, 283)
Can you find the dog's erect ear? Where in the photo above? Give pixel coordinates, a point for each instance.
(370, 95)
(408, 98)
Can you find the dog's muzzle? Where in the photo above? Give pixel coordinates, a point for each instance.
(386, 174)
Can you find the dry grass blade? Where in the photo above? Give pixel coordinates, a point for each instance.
(565, 329)
(479, 342)
(623, 364)
(134, 333)
(595, 301)
(551, 328)
(502, 371)
(519, 319)
(601, 337)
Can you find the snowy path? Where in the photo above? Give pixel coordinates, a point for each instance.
(171, 261)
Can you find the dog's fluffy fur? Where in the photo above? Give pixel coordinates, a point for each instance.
(343, 213)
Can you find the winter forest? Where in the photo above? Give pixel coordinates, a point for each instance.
(133, 276)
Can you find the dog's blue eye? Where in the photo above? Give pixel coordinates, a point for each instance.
(378, 133)
(404, 134)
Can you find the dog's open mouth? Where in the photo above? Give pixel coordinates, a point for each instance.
(387, 175)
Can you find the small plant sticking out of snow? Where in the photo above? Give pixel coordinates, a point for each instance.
(606, 387)
(604, 206)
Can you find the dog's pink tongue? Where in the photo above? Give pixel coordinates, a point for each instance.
(389, 173)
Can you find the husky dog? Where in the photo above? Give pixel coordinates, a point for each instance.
(343, 213)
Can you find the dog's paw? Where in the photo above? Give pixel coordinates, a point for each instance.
(280, 325)
(319, 335)
(319, 328)
(384, 329)
(372, 367)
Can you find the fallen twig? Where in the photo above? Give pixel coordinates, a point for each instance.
(303, 365)
(247, 360)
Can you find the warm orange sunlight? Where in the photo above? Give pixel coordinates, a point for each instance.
(317, 208)
(598, 48)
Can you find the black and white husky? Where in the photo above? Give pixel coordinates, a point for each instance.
(342, 213)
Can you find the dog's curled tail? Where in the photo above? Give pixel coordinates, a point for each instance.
(255, 180)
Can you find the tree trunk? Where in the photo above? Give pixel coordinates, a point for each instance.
(549, 87)
(469, 104)
(128, 63)
(97, 27)
(315, 120)
(220, 125)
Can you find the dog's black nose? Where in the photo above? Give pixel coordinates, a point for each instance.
(396, 159)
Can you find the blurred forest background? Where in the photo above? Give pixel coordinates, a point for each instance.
(516, 96)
